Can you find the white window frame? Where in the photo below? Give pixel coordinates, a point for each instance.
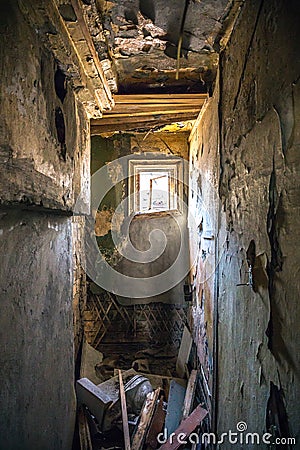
(173, 166)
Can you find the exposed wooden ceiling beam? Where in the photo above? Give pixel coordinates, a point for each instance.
(154, 98)
(147, 110)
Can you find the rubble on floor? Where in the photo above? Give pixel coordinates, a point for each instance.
(131, 408)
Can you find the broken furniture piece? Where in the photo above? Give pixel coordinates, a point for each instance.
(137, 404)
(145, 420)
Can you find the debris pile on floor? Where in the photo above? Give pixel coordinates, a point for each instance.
(134, 410)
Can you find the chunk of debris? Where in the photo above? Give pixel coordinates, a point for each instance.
(145, 420)
(93, 397)
(185, 429)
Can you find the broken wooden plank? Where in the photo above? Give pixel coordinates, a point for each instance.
(157, 424)
(190, 394)
(146, 122)
(115, 114)
(147, 110)
(124, 413)
(145, 420)
(84, 431)
(158, 98)
(85, 31)
(185, 429)
(184, 352)
(151, 115)
(175, 405)
(125, 107)
(138, 110)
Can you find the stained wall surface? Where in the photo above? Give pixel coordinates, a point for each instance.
(44, 155)
(144, 146)
(37, 360)
(253, 152)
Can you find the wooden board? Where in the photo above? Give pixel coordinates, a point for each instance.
(124, 413)
(138, 111)
(145, 420)
(185, 428)
(156, 426)
(184, 352)
(190, 394)
(126, 98)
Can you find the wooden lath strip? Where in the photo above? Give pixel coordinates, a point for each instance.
(115, 114)
(159, 98)
(124, 108)
(131, 123)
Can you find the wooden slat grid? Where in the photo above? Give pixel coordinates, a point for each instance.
(107, 321)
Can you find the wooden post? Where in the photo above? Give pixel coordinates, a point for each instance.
(124, 413)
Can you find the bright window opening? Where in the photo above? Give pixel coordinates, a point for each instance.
(154, 191)
(154, 186)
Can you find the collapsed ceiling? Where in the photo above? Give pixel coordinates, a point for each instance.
(133, 47)
(143, 39)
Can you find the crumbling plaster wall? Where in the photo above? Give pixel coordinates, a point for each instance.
(254, 147)
(203, 231)
(37, 361)
(44, 166)
(41, 148)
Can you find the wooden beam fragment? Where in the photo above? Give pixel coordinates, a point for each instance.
(145, 419)
(186, 427)
(145, 118)
(135, 109)
(184, 352)
(154, 112)
(86, 33)
(134, 124)
(189, 394)
(124, 413)
(157, 424)
(159, 98)
(147, 110)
